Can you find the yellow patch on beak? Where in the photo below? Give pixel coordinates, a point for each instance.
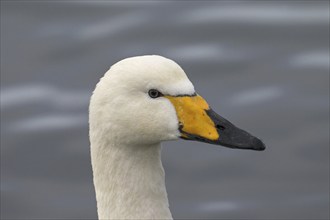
(193, 117)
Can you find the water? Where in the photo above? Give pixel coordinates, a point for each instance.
(263, 65)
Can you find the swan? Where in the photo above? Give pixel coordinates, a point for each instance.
(138, 103)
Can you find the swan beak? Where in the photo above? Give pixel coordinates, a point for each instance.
(197, 121)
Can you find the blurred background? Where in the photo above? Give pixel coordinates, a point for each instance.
(262, 64)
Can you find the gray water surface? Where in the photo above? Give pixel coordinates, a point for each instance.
(263, 65)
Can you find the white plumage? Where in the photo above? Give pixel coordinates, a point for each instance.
(127, 127)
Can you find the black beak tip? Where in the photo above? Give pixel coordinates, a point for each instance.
(258, 145)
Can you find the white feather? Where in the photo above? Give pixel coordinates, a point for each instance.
(126, 128)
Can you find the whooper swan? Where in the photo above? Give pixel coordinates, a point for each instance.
(140, 102)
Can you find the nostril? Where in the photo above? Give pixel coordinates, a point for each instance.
(220, 127)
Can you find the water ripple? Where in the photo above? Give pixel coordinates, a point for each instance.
(16, 96)
(256, 95)
(318, 59)
(257, 14)
(49, 123)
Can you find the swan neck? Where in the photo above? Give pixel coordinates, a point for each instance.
(129, 182)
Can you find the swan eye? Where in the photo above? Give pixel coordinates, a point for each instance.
(153, 93)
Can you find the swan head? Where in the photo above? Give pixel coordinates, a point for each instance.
(149, 99)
